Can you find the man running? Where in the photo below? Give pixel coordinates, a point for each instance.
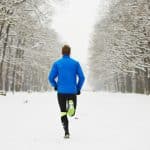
(67, 78)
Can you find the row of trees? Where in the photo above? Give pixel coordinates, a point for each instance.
(27, 45)
(120, 48)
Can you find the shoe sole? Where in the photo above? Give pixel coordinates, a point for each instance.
(71, 112)
(66, 137)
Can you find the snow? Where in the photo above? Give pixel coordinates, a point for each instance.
(103, 121)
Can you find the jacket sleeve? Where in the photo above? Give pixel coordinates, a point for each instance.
(52, 75)
(81, 77)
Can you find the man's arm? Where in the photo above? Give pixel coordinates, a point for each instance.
(81, 78)
(52, 75)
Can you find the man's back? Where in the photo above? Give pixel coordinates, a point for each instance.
(67, 70)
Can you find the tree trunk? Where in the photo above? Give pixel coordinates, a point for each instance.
(3, 56)
(1, 29)
(8, 68)
(133, 83)
(128, 83)
(14, 78)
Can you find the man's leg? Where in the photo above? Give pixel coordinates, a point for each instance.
(62, 104)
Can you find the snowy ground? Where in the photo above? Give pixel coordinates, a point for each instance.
(105, 122)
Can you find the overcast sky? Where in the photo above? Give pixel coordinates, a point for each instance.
(74, 21)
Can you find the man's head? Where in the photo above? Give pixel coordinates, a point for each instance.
(66, 50)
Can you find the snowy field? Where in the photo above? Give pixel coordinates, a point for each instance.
(103, 122)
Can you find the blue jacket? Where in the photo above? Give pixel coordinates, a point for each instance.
(63, 75)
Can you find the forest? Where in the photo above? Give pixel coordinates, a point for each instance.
(27, 46)
(120, 49)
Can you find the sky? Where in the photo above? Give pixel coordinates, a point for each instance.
(74, 22)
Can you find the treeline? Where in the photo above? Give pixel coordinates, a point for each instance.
(120, 49)
(27, 45)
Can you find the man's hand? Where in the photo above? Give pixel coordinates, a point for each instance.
(78, 93)
(55, 88)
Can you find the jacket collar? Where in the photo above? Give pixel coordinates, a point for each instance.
(66, 56)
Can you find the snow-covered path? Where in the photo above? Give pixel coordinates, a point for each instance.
(104, 121)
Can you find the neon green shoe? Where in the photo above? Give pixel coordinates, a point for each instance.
(71, 110)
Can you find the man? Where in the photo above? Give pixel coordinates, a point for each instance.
(63, 77)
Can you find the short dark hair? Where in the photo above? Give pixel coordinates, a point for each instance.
(66, 50)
